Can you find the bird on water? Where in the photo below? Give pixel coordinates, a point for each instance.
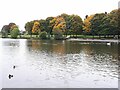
(13, 67)
(10, 76)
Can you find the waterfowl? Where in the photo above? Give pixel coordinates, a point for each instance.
(10, 76)
(13, 67)
(108, 44)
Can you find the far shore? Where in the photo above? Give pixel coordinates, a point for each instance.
(77, 39)
(95, 40)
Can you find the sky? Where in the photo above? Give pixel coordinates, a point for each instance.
(22, 11)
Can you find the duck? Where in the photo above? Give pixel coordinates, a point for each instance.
(10, 76)
(13, 67)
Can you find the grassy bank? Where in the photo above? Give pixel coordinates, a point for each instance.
(70, 36)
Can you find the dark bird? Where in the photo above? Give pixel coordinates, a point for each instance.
(13, 67)
(10, 76)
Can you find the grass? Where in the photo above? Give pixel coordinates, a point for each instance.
(71, 36)
(91, 37)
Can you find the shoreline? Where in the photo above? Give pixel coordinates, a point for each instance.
(74, 39)
(94, 40)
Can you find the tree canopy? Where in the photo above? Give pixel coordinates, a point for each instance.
(95, 24)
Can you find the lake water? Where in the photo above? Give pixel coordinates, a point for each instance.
(58, 64)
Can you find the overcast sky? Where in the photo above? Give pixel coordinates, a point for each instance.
(21, 11)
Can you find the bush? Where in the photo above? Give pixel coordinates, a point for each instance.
(14, 33)
(43, 35)
(58, 34)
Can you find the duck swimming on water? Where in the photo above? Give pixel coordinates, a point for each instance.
(10, 76)
(13, 67)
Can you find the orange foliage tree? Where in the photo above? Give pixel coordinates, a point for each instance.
(87, 23)
(13, 26)
(36, 28)
(59, 25)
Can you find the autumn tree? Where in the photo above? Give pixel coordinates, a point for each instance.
(52, 22)
(87, 24)
(36, 28)
(59, 27)
(97, 24)
(67, 19)
(11, 25)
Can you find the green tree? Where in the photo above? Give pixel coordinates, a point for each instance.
(14, 32)
(97, 23)
(113, 21)
(76, 24)
(67, 19)
(5, 31)
(43, 25)
(48, 26)
(58, 34)
(118, 22)
(28, 27)
(105, 23)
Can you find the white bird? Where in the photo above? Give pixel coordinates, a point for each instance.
(108, 44)
(67, 37)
